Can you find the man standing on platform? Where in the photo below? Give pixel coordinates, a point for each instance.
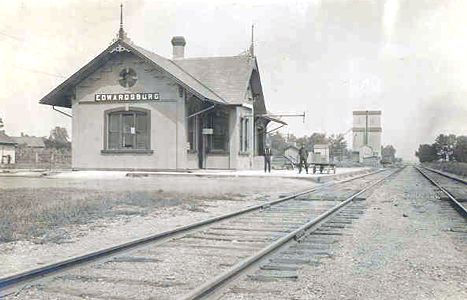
(303, 159)
(267, 159)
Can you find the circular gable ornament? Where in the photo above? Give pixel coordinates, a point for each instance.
(127, 77)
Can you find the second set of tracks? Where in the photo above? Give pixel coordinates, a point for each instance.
(453, 188)
(195, 261)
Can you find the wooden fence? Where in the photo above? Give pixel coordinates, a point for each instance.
(30, 158)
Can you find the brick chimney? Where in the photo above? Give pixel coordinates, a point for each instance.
(178, 43)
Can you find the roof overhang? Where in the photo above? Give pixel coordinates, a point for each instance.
(272, 119)
(63, 94)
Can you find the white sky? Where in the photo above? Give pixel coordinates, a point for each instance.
(329, 57)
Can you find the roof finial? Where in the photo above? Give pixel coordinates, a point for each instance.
(121, 32)
(252, 46)
(121, 15)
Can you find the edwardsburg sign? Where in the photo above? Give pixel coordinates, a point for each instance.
(127, 97)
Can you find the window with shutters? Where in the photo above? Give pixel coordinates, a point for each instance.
(193, 121)
(128, 130)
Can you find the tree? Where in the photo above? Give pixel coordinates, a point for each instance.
(337, 147)
(444, 145)
(388, 154)
(426, 153)
(315, 138)
(58, 139)
(460, 149)
(277, 142)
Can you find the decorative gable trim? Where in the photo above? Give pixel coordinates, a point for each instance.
(119, 48)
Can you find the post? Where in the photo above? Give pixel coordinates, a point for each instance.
(252, 150)
(51, 160)
(205, 157)
(366, 129)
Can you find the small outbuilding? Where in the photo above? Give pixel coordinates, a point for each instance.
(33, 142)
(7, 149)
(291, 152)
(320, 153)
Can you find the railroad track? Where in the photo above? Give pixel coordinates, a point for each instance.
(225, 245)
(453, 188)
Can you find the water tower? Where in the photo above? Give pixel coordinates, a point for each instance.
(367, 133)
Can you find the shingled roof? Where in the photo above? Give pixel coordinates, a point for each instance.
(29, 141)
(61, 95)
(226, 76)
(185, 78)
(5, 139)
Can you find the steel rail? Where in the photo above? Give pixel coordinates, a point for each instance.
(445, 175)
(462, 210)
(212, 285)
(22, 277)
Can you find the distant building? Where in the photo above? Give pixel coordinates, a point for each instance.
(367, 134)
(7, 149)
(320, 153)
(291, 152)
(29, 141)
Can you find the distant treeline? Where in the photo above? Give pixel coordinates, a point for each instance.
(447, 147)
(338, 148)
(337, 144)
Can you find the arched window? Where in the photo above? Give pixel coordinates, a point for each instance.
(127, 130)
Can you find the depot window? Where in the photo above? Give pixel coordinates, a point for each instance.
(218, 141)
(244, 135)
(127, 130)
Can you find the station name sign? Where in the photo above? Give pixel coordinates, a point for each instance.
(127, 97)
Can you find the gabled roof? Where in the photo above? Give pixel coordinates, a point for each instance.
(29, 141)
(227, 76)
(321, 146)
(180, 75)
(5, 139)
(237, 70)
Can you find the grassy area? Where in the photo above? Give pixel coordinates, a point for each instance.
(457, 168)
(42, 209)
(37, 213)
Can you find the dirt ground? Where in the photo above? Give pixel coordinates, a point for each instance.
(408, 244)
(43, 220)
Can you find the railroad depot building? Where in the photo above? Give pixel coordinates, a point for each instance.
(135, 110)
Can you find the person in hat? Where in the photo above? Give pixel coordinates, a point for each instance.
(267, 159)
(303, 159)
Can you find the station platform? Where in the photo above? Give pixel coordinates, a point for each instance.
(104, 175)
(293, 174)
